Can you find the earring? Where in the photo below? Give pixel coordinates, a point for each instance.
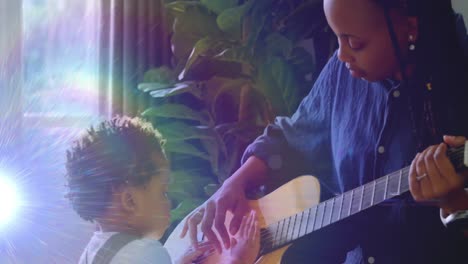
(412, 46)
(429, 86)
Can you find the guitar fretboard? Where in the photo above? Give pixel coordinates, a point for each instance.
(337, 208)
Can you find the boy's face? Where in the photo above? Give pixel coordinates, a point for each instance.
(364, 42)
(151, 214)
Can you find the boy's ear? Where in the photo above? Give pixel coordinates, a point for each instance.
(127, 200)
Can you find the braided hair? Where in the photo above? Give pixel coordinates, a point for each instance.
(439, 86)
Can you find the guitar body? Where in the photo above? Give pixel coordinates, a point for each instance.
(289, 199)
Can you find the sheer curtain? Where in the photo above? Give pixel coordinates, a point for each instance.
(134, 39)
(64, 64)
(10, 74)
(49, 76)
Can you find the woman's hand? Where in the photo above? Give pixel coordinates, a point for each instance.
(433, 177)
(230, 197)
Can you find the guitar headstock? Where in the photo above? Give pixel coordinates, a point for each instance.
(459, 157)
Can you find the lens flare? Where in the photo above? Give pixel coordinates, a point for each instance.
(9, 200)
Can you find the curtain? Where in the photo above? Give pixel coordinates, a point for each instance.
(134, 39)
(10, 75)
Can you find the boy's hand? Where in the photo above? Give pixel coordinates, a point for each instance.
(246, 244)
(192, 254)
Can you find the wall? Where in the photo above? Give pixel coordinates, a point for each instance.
(461, 6)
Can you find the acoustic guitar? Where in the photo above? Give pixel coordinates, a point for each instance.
(293, 210)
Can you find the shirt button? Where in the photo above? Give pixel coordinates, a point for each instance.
(396, 94)
(371, 260)
(381, 149)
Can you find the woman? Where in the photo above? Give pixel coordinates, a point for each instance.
(396, 85)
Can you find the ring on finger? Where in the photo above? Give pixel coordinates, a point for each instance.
(420, 177)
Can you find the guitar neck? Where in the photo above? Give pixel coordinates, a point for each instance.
(349, 203)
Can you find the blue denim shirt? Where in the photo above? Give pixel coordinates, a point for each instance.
(347, 132)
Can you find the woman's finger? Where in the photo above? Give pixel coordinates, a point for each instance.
(438, 184)
(415, 188)
(422, 177)
(445, 166)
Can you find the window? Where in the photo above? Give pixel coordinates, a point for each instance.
(60, 60)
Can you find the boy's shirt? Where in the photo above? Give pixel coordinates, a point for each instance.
(138, 251)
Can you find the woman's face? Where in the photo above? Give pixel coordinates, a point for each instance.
(364, 41)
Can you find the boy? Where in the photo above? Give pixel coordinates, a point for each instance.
(118, 177)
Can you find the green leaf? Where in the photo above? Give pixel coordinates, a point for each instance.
(278, 45)
(178, 8)
(227, 86)
(277, 81)
(213, 147)
(185, 207)
(160, 75)
(256, 26)
(187, 184)
(179, 88)
(218, 6)
(206, 47)
(175, 131)
(175, 111)
(195, 23)
(230, 20)
(236, 54)
(185, 148)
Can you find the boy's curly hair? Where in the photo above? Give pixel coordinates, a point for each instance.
(116, 152)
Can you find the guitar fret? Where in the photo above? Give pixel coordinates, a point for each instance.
(399, 183)
(297, 226)
(367, 193)
(356, 205)
(308, 221)
(310, 227)
(351, 203)
(394, 184)
(337, 202)
(362, 198)
(280, 239)
(380, 190)
(373, 193)
(386, 188)
(303, 227)
(287, 230)
(404, 183)
(341, 206)
(319, 217)
(275, 236)
(328, 213)
(347, 197)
